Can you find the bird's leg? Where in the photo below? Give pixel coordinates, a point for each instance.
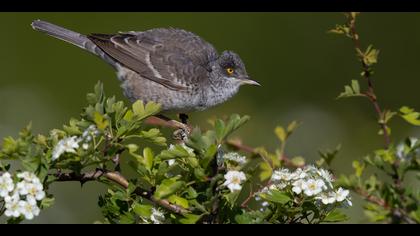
(183, 130)
(183, 117)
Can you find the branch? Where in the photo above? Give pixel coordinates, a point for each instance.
(120, 180)
(166, 122)
(371, 198)
(252, 194)
(398, 213)
(366, 74)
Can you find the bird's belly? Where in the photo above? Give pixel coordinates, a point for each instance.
(137, 88)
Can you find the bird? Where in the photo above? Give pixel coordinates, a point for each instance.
(170, 66)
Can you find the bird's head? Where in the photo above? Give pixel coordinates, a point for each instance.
(232, 70)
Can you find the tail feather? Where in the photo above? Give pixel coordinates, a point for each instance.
(72, 37)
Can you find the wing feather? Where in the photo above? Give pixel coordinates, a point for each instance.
(162, 61)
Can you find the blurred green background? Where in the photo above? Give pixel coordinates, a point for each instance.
(301, 68)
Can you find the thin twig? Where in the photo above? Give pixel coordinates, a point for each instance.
(371, 198)
(120, 180)
(166, 122)
(252, 194)
(396, 211)
(366, 74)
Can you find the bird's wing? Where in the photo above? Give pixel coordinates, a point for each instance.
(154, 56)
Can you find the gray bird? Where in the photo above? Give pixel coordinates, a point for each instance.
(173, 67)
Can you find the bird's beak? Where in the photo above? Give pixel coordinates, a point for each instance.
(247, 80)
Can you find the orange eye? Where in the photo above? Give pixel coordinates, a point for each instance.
(229, 70)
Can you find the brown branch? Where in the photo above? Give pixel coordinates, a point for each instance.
(120, 180)
(371, 198)
(366, 74)
(166, 122)
(252, 194)
(398, 213)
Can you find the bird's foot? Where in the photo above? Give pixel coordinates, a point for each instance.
(183, 130)
(183, 117)
(182, 133)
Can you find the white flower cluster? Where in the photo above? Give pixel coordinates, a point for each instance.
(70, 144)
(234, 179)
(312, 182)
(21, 198)
(157, 216)
(235, 157)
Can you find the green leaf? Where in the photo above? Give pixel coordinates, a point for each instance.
(266, 171)
(328, 156)
(219, 128)
(190, 218)
(386, 155)
(281, 133)
(148, 158)
(292, 126)
(10, 145)
(191, 193)
(244, 219)
(132, 148)
(47, 202)
(138, 107)
(168, 187)
(410, 115)
(176, 151)
(358, 167)
(276, 196)
(335, 216)
(127, 218)
(370, 56)
(142, 210)
(355, 86)
(224, 130)
(351, 91)
(180, 201)
(100, 121)
(340, 29)
(154, 135)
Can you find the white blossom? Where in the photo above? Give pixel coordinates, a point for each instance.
(6, 184)
(299, 186)
(281, 185)
(298, 174)
(85, 146)
(171, 162)
(326, 175)
(12, 205)
(65, 145)
(234, 179)
(310, 169)
(157, 216)
(235, 157)
(341, 194)
(327, 198)
(28, 210)
(282, 174)
(28, 176)
(313, 187)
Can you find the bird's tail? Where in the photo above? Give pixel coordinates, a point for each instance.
(72, 37)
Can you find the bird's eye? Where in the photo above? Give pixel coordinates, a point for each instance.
(229, 70)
